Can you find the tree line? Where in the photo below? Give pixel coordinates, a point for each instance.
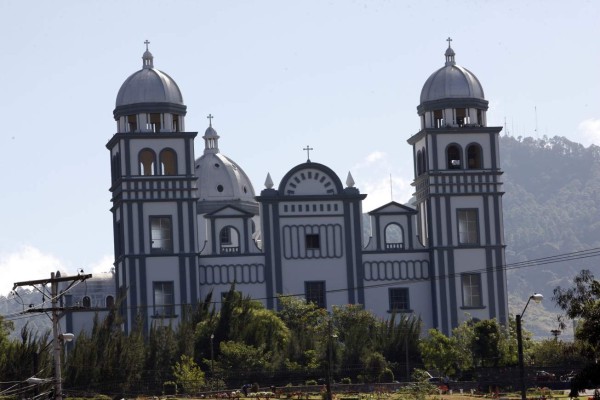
(245, 343)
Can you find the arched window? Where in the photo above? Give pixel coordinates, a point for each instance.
(423, 161)
(86, 302)
(110, 301)
(115, 167)
(453, 156)
(419, 162)
(394, 237)
(147, 160)
(168, 162)
(229, 240)
(474, 156)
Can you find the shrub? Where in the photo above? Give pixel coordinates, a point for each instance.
(386, 376)
(169, 388)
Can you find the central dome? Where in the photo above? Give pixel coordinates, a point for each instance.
(221, 181)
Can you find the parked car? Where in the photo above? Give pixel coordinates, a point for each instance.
(544, 376)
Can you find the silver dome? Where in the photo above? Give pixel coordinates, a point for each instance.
(451, 82)
(149, 85)
(221, 181)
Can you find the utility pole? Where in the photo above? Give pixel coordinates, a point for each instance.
(54, 297)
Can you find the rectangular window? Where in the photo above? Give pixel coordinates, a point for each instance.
(161, 234)
(438, 118)
(467, 226)
(164, 299)
(132, 123)
(471, 290)
(312, 241)
(399, 300)
(155, 125)
(226, 235)
(314, 292)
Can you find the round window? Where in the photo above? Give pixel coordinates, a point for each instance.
(220, 188)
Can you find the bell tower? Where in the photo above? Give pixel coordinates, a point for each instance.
(458, 191)
(154, 195)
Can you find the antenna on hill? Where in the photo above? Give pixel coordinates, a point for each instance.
(505, 128)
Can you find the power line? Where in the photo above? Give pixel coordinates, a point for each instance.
(572, 256)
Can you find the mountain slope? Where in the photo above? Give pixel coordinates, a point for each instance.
(551, 207)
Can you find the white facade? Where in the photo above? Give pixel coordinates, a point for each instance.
(186, 227)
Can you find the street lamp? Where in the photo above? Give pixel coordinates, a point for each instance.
(330, 361)
(537, 298)
(212, 356)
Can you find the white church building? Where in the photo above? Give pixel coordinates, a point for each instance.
(187, 226)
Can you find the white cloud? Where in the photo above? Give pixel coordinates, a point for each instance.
(589, 131)
(376, 157)
(104, 265)
(382, 180)
(29, 263)
(381, 191)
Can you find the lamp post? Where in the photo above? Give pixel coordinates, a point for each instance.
(537, 298)
(330, 338)
(212, 355)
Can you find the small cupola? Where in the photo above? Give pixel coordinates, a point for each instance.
(211, 138)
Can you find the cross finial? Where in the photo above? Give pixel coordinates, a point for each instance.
(307, 149)
(210, 117)
(146, 43)
(449, 40)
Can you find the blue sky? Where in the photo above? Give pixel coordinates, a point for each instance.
(341, 76)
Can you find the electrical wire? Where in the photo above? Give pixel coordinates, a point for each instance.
(563, 257)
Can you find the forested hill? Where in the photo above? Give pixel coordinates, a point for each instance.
(551, 207)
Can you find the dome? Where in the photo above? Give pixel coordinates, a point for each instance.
(149, 85)
(149, 90)
(453, 83)
(221, 181)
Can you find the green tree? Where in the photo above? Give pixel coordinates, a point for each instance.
(188, 375)
(161, 354)
(243, 362)
(556, 353)
(439, 352)
(487, 338)
(397, 338)
(303, 321)
(246, 322)
(582, 302)
(375, 367)
(356, 331)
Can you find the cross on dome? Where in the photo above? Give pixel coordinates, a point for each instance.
(307, 149)
(449, 53)
(147, 58)
(210, 117)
